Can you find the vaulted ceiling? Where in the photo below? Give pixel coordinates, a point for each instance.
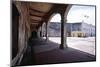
(37, 12)
(40, 12)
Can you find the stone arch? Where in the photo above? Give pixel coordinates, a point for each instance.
(58, 20)
(64, 15)
(52, 15)
(53, 32)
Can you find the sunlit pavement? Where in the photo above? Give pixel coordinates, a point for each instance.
(83, 44)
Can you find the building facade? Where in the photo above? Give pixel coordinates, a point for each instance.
(78, 29)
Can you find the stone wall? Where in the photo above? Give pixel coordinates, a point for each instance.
(24, 30)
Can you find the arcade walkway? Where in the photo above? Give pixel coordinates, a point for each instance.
(47, 52)
(30, 22)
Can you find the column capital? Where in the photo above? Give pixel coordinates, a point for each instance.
(63, 20)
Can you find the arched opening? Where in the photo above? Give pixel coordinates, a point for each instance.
(15, 29)
(80, 20)
(55, 28)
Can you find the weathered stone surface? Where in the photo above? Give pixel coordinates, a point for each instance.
(29, 21)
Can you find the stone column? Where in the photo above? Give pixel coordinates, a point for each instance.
(42, 30)
(63, 34)
(46, 31)
(38, 33)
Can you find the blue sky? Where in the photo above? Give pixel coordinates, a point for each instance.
(79, 13)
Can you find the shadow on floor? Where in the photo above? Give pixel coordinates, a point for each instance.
(53, 56)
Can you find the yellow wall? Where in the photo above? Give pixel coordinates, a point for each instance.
(77, 34)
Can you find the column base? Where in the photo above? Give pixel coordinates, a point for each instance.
(62, 47)
(47, 39)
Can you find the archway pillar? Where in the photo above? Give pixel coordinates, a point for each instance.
(41, 31)
(47, 38)
(38, 33)
(64, 14)
(63, 33)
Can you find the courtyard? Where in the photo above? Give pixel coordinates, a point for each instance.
(83, 44)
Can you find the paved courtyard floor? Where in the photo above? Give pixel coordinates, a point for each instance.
(83, 44)
(47, 52)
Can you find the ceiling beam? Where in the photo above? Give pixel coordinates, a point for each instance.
(36, 18)
(34, 23)
(35, 15)
(36, 10)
